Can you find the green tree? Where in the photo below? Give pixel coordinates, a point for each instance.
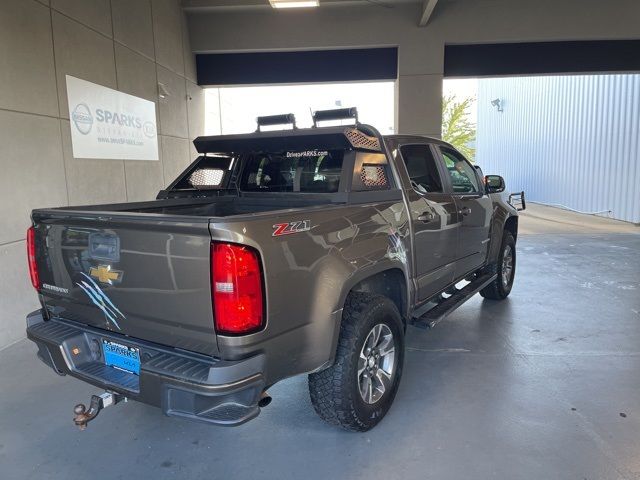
(457, 128)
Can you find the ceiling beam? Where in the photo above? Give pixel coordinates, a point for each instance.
(427, 10)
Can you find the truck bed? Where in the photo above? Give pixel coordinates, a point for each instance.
(158, 288)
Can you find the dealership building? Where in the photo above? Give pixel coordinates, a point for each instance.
(100, 101)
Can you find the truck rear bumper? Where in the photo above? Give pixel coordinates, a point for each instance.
(181, 383)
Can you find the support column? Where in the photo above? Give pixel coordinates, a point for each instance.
(419, 104)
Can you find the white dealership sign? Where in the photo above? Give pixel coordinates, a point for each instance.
(106, 123)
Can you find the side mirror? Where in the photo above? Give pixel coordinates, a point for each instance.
(494, 183)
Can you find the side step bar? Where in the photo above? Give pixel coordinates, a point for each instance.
(443, 308)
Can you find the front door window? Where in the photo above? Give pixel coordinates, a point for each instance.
(463, 175)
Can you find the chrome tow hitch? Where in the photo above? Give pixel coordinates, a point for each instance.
(82, 416)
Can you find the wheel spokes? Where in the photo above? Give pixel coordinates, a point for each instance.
(376, 364)
(507, 266)
(369, 343)
(386, 346)
(362, 364)
(376, 334)
(383, 381)
(380, 387)
(365, 388)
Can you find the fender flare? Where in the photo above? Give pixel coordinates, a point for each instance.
(498, 221)
(354, 280)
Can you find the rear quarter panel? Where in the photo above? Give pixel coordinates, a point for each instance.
(309, 274)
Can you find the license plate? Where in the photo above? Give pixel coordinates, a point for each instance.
(121, 356)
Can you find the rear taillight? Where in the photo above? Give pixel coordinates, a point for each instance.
(31, 257)
(236, 283)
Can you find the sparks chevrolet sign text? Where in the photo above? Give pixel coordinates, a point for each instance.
(106, 123)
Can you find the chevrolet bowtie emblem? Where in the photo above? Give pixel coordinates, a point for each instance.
(104, 274)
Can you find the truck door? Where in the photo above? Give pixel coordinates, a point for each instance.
(434, 219)
(474, 210)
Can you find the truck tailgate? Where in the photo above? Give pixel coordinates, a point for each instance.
(144, 276)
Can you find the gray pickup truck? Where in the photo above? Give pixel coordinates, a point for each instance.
(275, 253)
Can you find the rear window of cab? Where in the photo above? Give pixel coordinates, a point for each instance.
(311, 171)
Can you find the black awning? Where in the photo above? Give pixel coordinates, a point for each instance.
(535, 58)
(302, 66)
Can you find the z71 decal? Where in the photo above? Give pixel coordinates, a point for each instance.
(291, 227)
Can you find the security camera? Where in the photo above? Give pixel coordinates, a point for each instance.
(162, 90)
(496, 102)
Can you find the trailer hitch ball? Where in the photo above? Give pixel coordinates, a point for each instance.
(82, 416)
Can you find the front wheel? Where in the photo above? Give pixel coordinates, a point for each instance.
(500, 288)
(356, 392)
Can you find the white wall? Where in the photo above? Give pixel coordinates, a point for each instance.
(122, 44)
(569, 140)
(421, 50)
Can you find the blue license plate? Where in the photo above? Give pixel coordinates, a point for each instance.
(121, 356)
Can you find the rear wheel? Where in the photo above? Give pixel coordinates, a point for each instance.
(357, 390)
(506, 269)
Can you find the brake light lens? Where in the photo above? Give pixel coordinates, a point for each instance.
(31, 257)
(236, 283)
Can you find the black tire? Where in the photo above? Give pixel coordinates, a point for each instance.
(335, 391)
(500, 288)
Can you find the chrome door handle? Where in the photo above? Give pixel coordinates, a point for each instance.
(426, 217)
(465, 211)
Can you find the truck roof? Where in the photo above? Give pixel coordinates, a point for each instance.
(415, 138)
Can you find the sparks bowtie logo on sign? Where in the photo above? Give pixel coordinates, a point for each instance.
(106, 123)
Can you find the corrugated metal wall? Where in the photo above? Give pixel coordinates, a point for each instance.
(569, 140)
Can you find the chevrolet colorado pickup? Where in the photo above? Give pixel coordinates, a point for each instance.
(275, 253)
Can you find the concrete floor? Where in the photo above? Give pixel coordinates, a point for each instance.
(544, 385)
(537, 219)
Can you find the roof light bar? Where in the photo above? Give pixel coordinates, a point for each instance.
(270, 120)
(294, 3)
(335, 114)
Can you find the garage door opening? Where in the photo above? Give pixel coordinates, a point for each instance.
(569, 141)
(234, 109)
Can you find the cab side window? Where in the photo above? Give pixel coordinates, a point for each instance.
(462, 173)
(422, 168)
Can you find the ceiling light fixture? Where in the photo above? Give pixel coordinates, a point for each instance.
(294, 3)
